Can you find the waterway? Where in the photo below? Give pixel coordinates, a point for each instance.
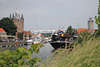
(44, 52)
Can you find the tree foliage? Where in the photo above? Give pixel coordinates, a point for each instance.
(70, 30)
(20, 36)
(8, 25)
(20, 57)
(83, 37)
(97, 18)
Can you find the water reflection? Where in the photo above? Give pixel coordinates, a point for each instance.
(45, 51)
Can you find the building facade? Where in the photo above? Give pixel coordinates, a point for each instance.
(3, 34)
(27, 35)
(18, 20)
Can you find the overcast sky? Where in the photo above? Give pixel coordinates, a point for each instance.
(44, 14)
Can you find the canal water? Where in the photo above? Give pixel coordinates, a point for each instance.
(45, 51)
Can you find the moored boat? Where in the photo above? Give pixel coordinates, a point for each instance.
(57, 44)
(58, 40)
(61, 39)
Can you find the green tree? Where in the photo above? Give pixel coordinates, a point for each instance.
(70, 30)
(21, 57)
(20, 36)
(8, 25)
(97, 18)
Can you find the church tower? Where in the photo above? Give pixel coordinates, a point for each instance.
(18, 20)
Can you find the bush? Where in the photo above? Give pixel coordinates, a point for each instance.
(19, 57)
(84, 37)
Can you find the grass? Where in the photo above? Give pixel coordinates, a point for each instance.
(87, 55)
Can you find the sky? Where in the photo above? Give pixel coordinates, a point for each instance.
(51, 14)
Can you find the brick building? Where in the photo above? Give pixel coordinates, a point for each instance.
(3, 34)
(18, 20)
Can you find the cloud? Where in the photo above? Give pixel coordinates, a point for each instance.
(48, 13)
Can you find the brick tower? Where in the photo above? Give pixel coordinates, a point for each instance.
(18, 20)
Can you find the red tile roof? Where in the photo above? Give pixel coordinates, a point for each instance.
(81, 29)
(2, 30)
(27, 32)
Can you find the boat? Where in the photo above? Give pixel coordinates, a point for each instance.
(57, 44)
(59, 39)
(29, 42)
(37, 40)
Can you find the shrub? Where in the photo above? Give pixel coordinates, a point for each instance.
(19, 57)
(84, 37)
